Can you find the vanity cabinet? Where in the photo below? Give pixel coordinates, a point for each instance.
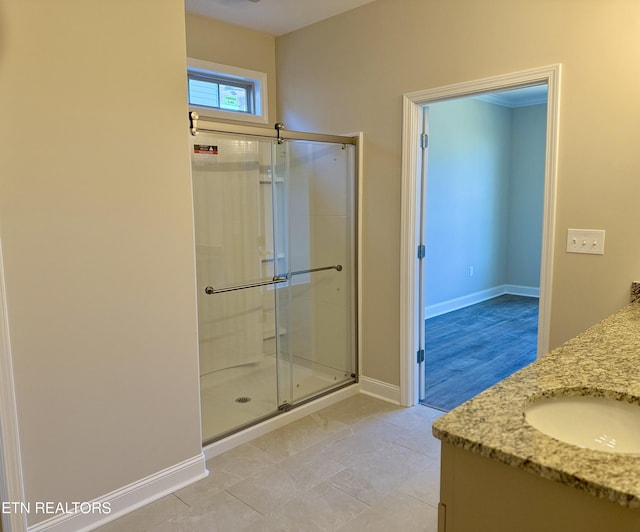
(478, 494)
(500, 474)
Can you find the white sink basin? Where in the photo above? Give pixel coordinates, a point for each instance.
(589, 422)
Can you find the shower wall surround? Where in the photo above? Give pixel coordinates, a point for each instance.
(227, 228)
(320, 234)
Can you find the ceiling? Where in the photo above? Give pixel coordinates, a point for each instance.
(275, 17)
(517, 97)
(278, 17)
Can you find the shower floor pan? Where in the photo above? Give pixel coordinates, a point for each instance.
(234, 398)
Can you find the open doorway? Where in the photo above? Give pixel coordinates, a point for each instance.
(483, 212)
(414, 166)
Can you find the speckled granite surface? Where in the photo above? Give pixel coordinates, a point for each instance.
(635, 292)
(604, 360)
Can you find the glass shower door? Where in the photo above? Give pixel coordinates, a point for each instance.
(314, 236)
(274, 232)
(234, 233)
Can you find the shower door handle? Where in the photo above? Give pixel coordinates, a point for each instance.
(211, 290)
(337, 267)
(276, 280)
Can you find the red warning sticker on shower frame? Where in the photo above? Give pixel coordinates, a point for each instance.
(205, 149)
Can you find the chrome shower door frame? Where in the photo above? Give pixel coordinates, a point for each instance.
(283, 281)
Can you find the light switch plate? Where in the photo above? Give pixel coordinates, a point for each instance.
(585, 241)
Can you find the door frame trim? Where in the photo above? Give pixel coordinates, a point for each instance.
(412, 104)
(11, 481)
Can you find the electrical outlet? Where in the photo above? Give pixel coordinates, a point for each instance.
(585, 241)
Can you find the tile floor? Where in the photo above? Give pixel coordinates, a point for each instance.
(361, 464)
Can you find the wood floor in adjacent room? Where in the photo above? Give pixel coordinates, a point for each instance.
(471, 349)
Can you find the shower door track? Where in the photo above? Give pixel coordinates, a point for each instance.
(276, 133)
(262, 419)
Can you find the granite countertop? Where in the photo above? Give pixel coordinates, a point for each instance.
(604, 360)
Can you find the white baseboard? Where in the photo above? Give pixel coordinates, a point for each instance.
(458, 303)
(153, 487)
(461, 302)
(381, 390)
(129, 498)
(250, 433)
(517, 290)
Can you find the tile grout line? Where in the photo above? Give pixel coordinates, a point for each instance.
(245, 503)
(183, 502)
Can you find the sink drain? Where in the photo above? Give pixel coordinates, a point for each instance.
(243, 399)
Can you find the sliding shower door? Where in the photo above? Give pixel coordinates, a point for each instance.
(315, 199)
(275, 272)
(234, 234)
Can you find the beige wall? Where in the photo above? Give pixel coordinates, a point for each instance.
(219, 42)
(96, 227)
(348, 73)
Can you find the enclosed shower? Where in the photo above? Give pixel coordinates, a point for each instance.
(275, 226)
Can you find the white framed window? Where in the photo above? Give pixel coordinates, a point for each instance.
(222, 91)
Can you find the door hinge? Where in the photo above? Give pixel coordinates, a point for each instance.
(422, 251)
(424, 141)
(420, 357)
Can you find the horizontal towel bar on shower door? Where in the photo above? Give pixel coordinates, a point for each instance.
(275, 280)
(278, 279)
(337, 267)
